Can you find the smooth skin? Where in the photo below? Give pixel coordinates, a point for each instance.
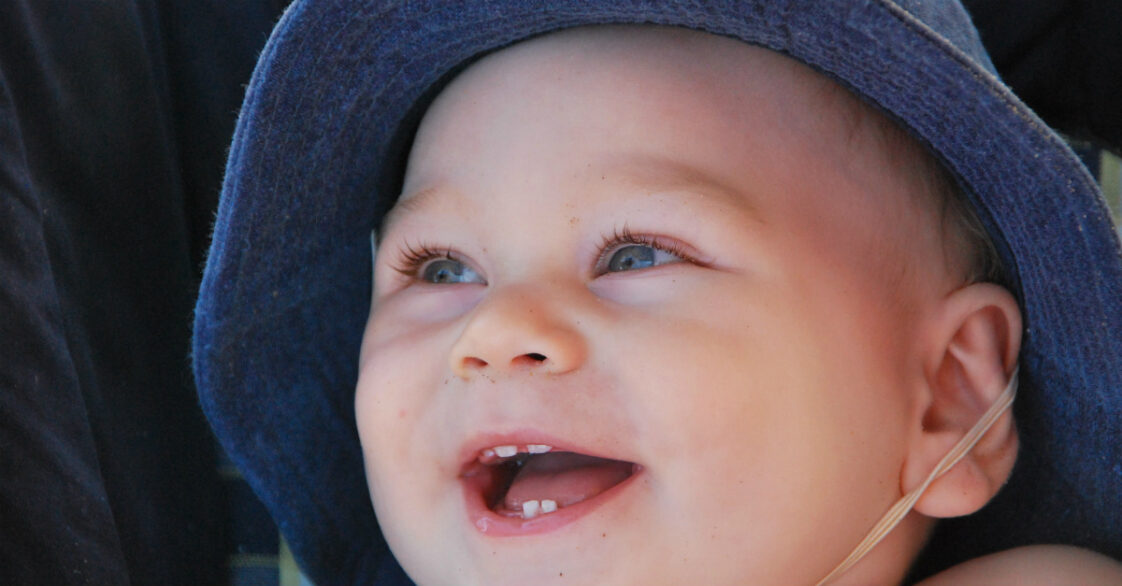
(795, 351)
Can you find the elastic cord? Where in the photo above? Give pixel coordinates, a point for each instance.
(905, 504)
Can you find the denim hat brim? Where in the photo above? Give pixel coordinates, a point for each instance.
(317, 159)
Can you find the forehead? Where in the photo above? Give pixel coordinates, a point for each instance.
(661, 105)
(581, 75)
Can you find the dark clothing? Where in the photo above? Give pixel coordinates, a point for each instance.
(1063, 58)
(115, 118)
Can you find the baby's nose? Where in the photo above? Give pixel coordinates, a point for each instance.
(519, 328)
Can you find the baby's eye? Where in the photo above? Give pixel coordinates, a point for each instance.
(432, 265)
(447, 270)
(625, 251)
(630, 257)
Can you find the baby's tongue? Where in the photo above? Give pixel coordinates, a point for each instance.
(565, 477)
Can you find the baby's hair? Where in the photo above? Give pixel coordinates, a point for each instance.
(960, 220)
(965, 240)
(965, 236)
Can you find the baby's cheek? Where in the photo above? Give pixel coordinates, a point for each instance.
(381, 435)
(381, 415)
(411, 512)
(369, 410)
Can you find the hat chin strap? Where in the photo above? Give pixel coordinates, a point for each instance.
(905, 504)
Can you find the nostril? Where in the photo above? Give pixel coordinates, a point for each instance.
(529, 359)
(472, 362)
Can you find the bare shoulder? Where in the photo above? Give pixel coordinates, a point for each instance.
(1034, 565)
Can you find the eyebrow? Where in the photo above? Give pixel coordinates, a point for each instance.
(406, 203)
(659, 173)
(649, 172)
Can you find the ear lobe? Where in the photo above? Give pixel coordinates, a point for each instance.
(972, 351)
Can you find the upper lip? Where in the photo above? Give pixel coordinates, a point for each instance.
(522, 438)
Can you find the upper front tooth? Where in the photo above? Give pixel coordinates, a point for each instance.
(538, 448)
(505, 451)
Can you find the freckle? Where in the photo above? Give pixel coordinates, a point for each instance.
(603, 535)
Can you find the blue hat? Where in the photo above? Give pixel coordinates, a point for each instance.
(318, 156)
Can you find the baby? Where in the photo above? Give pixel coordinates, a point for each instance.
(654, 306)
(660, 307)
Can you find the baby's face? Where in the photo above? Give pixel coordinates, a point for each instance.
(658, 256)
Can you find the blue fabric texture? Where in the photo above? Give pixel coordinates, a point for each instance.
(317, 159)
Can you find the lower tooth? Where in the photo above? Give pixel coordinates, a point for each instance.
(530, 509)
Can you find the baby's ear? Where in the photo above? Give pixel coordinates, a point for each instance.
(970, 353)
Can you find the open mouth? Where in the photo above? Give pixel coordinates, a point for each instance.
(525, 482)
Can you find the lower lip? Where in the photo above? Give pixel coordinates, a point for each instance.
(493, 524)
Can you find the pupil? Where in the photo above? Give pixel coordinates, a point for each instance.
(632, 257)
(445, 271)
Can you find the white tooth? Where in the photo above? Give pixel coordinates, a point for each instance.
(538, 448)
(530, 509)
(488, 453)
(548, 505)
(505, 451)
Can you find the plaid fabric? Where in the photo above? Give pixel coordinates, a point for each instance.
(1110, 177)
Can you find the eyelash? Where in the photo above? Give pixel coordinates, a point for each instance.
(624, 236)
(413, 257)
